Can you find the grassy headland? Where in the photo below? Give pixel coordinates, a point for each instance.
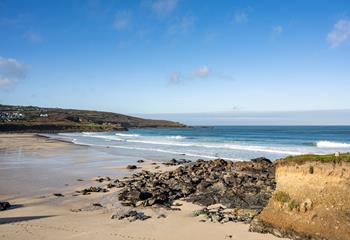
(37, 119)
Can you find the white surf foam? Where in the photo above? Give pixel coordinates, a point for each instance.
(223, 146)
(158, 150)
(127, 135)
(330, 144)
(176, 137)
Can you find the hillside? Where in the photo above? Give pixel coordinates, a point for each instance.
(37, 119)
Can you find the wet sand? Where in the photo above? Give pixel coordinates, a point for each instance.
(32, 168)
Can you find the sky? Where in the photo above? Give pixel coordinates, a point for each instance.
(176, 56)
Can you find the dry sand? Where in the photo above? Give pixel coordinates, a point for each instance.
(50, 217)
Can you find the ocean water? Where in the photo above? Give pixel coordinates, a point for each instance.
(228, 142)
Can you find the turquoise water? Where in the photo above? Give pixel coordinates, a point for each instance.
(229, 142)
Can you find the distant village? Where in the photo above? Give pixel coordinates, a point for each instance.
(15, 116)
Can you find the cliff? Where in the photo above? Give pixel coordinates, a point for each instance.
(37, 119)
(311, 200)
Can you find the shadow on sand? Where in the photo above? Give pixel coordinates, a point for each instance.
(7, 220)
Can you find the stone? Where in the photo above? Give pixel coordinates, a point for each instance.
(58, 195)
(4, 206)
(131, 215)
(306, 205)
(89, 190)
(131, 167)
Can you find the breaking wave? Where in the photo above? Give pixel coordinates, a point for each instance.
(329, 144)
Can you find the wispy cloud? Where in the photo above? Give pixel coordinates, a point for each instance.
(201, 72)
(339, 34)
(122, 20)
(163, 7)
(4, 82)
(11, 71)
(240, 17)
(33, 37)
(277, 29)
(182, 25)
(174, 78)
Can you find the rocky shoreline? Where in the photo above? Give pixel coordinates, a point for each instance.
(228, 191)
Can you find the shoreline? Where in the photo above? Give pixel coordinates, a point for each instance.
(51, 217)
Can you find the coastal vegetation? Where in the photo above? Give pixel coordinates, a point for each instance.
(337, 157)
(37, 119)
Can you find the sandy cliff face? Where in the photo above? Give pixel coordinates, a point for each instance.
(311, 201)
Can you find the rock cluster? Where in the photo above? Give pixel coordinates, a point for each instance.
(131, 215)
(175, 162)
(232, 184)
(222, 214)
(4, 206)
(89, 190)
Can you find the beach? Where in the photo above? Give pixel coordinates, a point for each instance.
(34, 168)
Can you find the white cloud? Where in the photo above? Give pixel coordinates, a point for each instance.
(174, 78)
(4, 82)
(277, 29)
(199, 73)
(182, 25)
(202, 72)
(11, 71)
(122, 20)
(240, 17)
(164, 7)
(339, 34)
(33, 37)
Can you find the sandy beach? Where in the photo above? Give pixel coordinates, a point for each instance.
(45, 216)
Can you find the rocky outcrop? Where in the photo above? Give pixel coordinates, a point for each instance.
(234, 185)
(4, 206)
(311, 201)
(222, 214)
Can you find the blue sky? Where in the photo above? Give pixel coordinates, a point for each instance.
(176, 56)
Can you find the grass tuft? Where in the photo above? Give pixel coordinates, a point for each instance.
(281, 196)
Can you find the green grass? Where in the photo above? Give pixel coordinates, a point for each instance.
(319, 158)
(293, 204)
(281, 196)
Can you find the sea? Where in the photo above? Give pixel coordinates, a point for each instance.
(234, 143)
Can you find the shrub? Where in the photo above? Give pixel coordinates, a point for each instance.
(292, 205)
(281, 196)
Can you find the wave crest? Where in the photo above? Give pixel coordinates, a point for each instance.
(330, 144)
(176, 137)
(127, 135)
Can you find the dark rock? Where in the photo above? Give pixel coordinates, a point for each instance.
(58, 195)
(140, 161)
(102, 179)
(131, 167)
(261, 160)
(89, 190)
(223, 215)
(174, 162)
(131, 215)
(239, 185)
(4, 206)
(97, 205)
